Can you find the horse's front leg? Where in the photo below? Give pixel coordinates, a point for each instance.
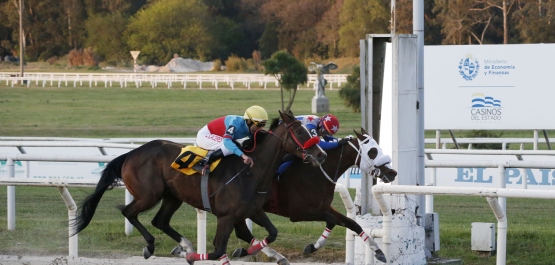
(223, 231)
(330, 224)
(351, 224)
(242, 232)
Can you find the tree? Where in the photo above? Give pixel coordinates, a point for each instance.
(327, 29)
(535, 21)
(295, 22)
(457, 19)
(168, 27)
(359, 18)
(289, 72)
(350, 91)
(107, 43)
(505, 8)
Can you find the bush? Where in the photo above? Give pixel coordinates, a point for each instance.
(216, 65)
(484, 134)
(80, 57)
(350, 91)
(235, 63)
(52, 60)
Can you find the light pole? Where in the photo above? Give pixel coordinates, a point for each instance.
(135, 54)
(21, 40)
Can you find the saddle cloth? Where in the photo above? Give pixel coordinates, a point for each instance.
(188, 157)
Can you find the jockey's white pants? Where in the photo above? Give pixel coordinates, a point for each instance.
(207, 140)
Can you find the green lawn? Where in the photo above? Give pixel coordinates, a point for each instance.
(160, 112)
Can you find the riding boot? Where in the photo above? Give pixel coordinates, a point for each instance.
(203, 166)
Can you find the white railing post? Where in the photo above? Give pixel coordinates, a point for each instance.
(11, 196)
(71, 214)
(128, 225)
(201, 231)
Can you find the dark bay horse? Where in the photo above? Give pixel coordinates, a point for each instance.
(306, 193)
(236, 190)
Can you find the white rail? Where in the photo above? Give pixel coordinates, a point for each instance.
(168, 80)
(491, 195)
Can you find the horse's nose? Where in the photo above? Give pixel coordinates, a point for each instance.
(322, 157)
(392, 173)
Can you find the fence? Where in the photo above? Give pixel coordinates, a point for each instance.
(22, 142)
(154, 80)
(491, 195)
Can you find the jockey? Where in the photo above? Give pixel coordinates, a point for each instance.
(218, 135)
(324, 127)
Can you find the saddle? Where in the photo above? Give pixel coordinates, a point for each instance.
(188, 157)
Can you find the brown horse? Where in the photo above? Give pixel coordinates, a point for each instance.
(306, 193)
(236, 190)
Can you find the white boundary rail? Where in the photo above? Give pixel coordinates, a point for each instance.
(491, 195)
(155, 79)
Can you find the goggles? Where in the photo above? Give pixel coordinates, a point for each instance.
(259, 123)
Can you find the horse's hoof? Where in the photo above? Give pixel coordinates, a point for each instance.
(380, 256)
(309, 249)
(240, 252)
(190, 258)
(283, 261)
(177, 251)
(146, 253)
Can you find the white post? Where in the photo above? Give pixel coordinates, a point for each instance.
(503, 185)
(348, 178)
(501, 230)
(535, 139)
(201, 231)
(11, 196)
(128, 225)
(71, 214)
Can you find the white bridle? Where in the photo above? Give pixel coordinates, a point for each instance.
(367, 164)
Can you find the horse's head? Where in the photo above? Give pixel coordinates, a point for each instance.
(298, 140)
(373, 160)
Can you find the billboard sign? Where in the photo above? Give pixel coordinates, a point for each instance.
(489, 87)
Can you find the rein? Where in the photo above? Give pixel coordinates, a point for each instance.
(300, 147)
(312, 141)
(230, 180)
(374, 171)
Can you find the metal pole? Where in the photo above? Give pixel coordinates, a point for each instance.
(11, 196)
(21, 38)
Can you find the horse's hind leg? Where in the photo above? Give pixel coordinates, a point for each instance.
(131, 211)
(242, 232)
(170, 204)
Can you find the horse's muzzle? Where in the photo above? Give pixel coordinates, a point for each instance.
(389, 176)
(315, 160)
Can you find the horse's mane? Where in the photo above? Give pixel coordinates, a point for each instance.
(275, 123)
(259, 136)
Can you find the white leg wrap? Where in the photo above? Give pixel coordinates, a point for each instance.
(323, 238)
(224, 260)
(269, 252)
(369, 241)
(187, 245)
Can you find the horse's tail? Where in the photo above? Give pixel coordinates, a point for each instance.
(110, 176)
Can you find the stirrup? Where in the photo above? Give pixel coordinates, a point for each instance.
(200, 166)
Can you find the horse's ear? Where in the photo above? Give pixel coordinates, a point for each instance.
(287, 116)
(359, 136)
(363, 131)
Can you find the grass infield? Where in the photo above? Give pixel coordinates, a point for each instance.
(41, 223)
